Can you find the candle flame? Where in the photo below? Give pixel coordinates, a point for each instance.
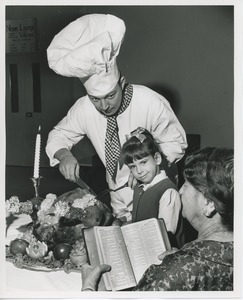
(39, 129)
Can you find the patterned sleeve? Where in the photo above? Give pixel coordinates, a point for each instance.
(194, 267)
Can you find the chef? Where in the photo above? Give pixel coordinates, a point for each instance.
(87, 48)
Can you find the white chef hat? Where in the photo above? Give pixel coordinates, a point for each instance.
(87, 48)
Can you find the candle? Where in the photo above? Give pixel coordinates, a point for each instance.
(37, 154)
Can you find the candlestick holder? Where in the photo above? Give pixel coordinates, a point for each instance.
(36, 184)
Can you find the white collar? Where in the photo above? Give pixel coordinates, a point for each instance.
(157, 178)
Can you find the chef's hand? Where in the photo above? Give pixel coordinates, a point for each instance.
(132, 181)
(91, 276)
(164, 254)
(69, 166)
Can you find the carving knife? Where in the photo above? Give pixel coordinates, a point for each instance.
(84, 185)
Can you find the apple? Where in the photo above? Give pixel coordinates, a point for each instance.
(18, 246)
(62, 251)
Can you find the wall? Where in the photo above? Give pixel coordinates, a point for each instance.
(183, 52)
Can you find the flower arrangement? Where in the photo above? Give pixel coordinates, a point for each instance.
(54, 239)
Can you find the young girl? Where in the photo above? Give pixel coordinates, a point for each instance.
(155, 195)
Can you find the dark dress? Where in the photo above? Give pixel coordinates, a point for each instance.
(146, 203)
(146, 206)
(197, 266)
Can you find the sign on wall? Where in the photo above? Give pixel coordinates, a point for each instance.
(21, 35)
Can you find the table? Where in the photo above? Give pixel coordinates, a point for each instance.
(27, 283)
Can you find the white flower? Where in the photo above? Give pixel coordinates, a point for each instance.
(51, 196)
(50, 214)
(84, 202)
(47, 203)
(61, 208)
(13, 205)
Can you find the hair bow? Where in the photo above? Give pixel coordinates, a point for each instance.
(138, 133)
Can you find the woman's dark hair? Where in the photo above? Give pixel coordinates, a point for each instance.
(134, 148)
(211, 171)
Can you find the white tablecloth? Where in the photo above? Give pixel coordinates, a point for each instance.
(26, 283)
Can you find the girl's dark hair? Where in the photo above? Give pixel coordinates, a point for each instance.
(211, 171)
(134, 148)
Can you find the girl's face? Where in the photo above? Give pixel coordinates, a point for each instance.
(147, 168)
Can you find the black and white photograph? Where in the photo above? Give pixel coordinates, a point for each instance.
(121, 149)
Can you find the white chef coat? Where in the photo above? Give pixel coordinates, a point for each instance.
(169, 203)
(147, 109)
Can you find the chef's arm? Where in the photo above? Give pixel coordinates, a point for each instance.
(69, 166)
(167, 131)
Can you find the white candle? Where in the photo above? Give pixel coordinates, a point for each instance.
(37, 154)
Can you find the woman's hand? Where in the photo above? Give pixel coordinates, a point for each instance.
(91, 276)
(164, 254)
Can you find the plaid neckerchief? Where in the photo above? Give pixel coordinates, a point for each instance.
(112, 142)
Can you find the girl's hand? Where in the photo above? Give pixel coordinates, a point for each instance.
(119, 221)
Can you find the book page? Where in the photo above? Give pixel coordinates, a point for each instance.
(144, 243)
(113, 252)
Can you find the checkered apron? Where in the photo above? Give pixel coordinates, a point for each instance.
(112, 142)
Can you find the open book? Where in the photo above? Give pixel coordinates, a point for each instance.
(129, 249)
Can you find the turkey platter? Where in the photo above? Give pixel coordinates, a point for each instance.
(54, 239)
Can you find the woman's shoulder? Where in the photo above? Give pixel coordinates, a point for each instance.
(205, 248)
(207, 244)
(213, 251)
